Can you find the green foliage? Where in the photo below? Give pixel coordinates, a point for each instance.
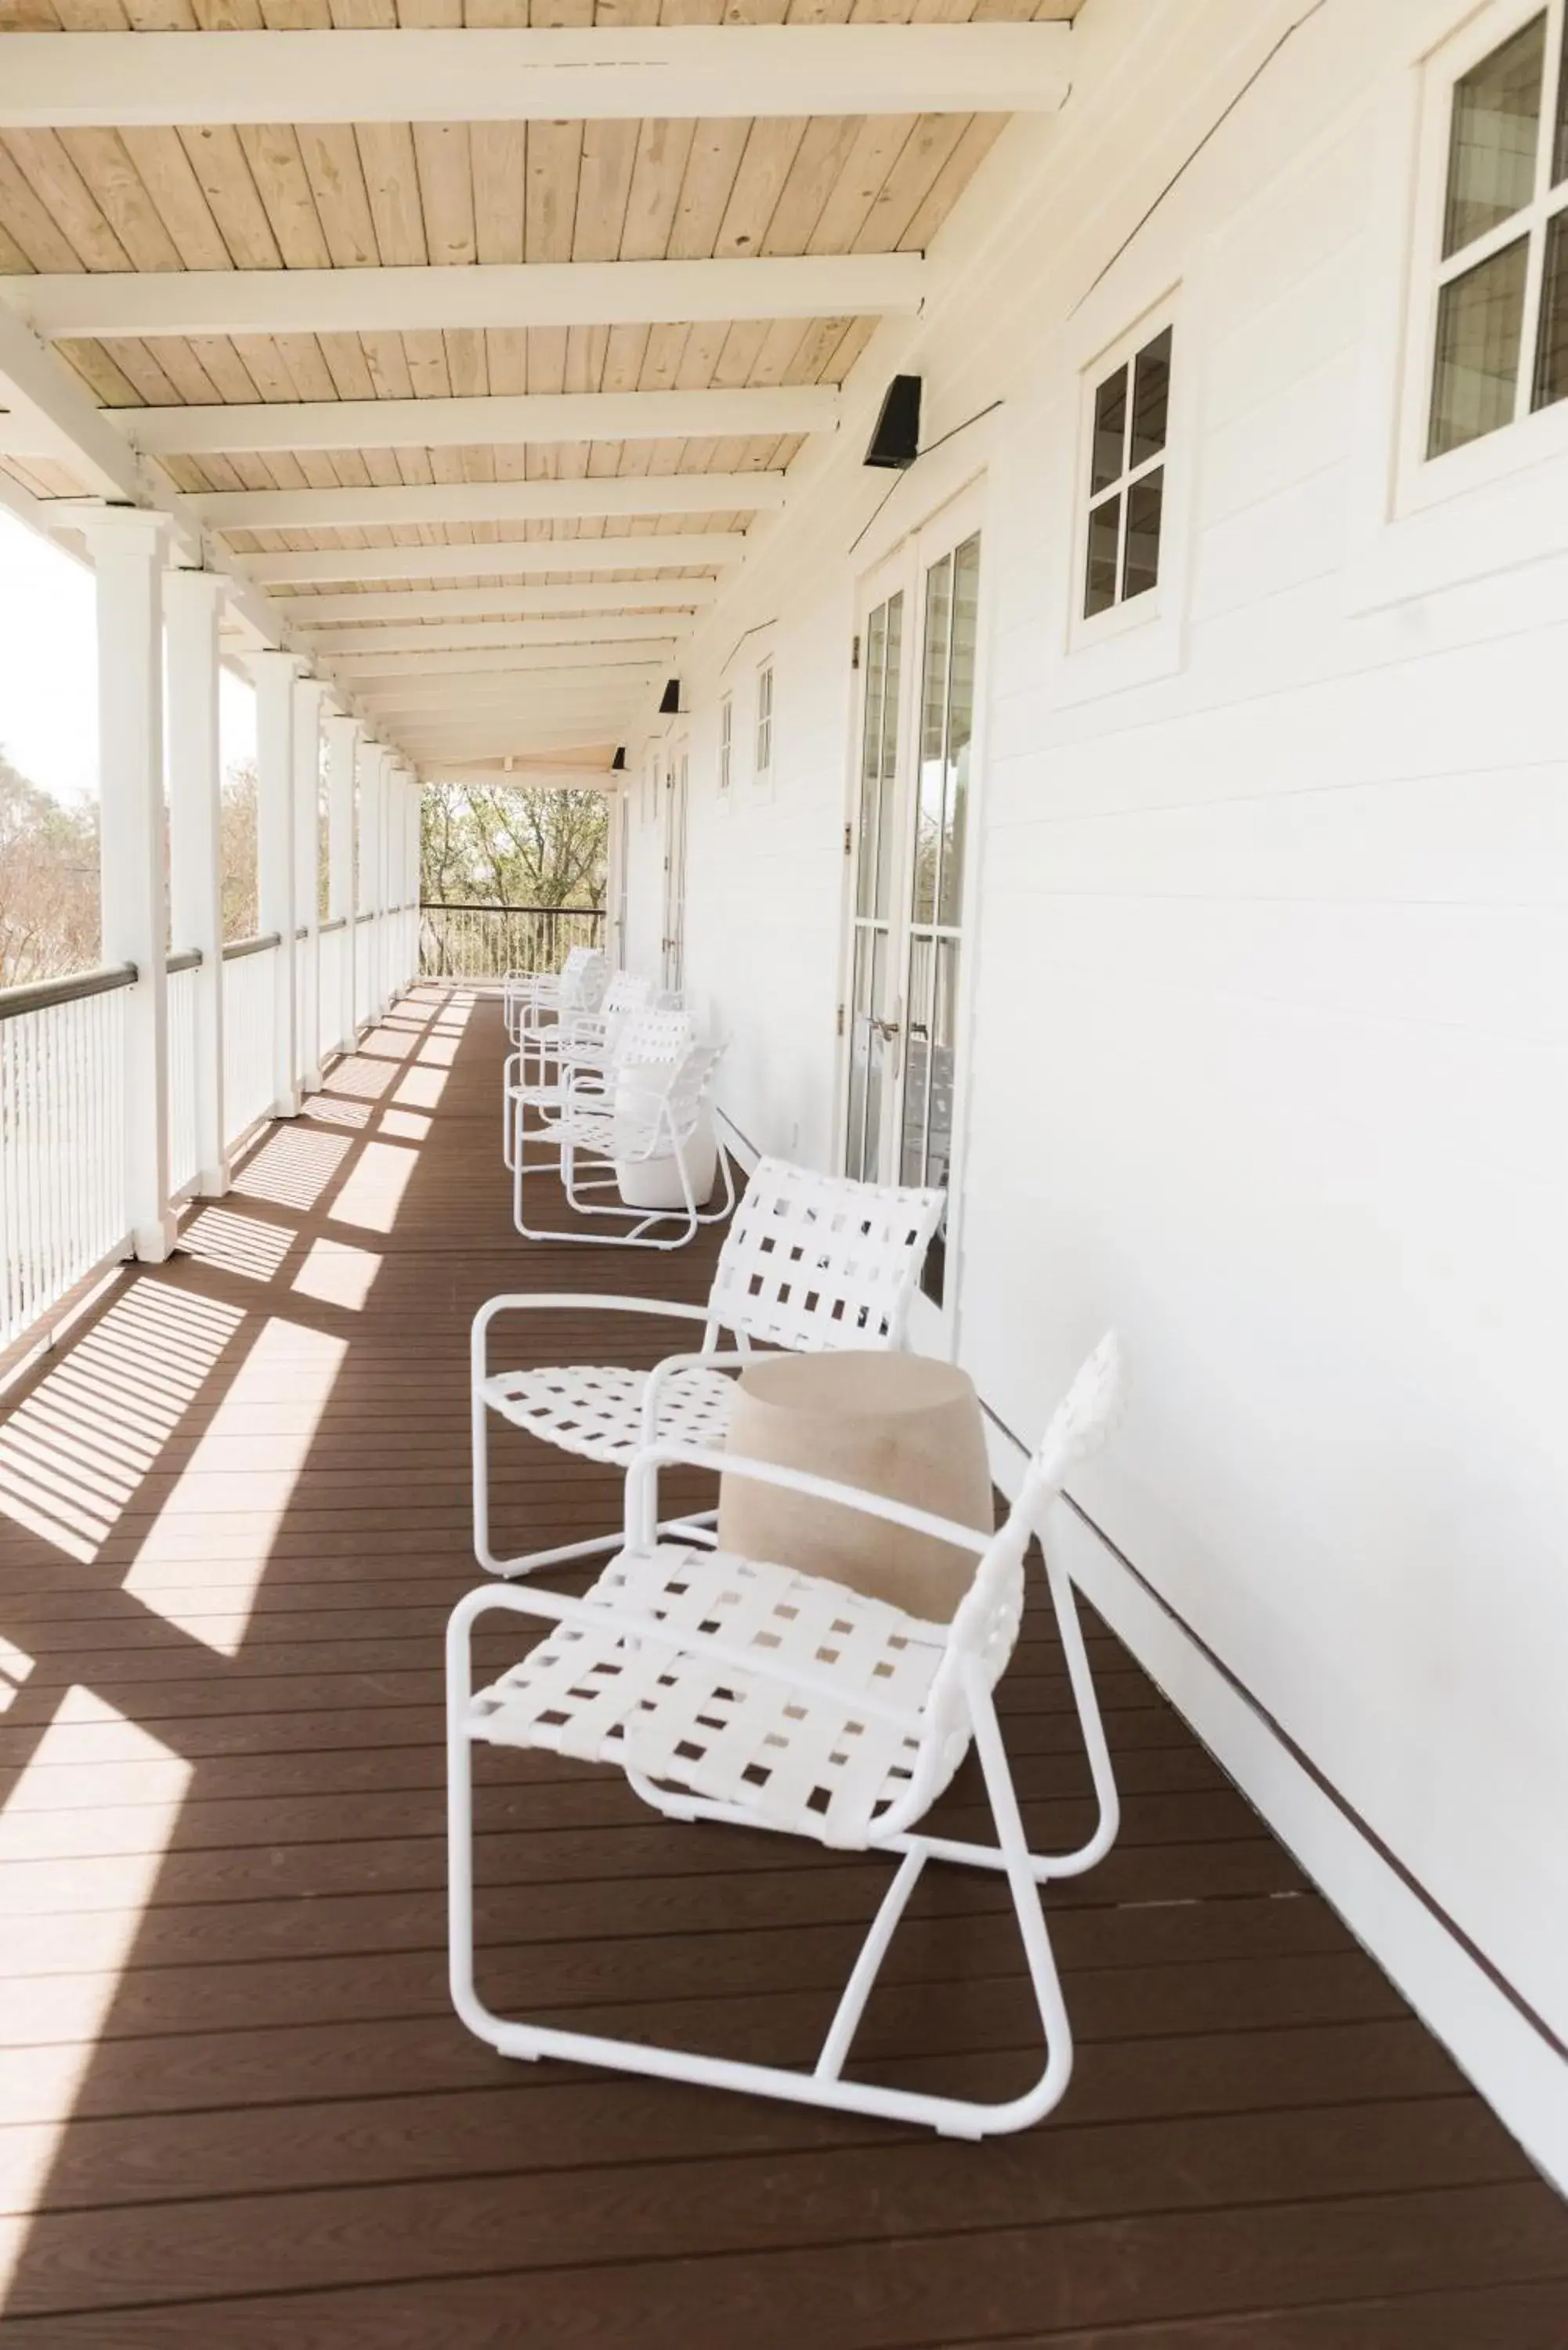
(48, 883)
(489, 844)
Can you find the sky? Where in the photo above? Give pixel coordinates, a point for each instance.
(49, 694)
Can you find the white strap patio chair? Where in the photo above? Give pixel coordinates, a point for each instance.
(533, 1074)
(527, 995)
(643, 1105)
(810, 1262)
(727, 1688)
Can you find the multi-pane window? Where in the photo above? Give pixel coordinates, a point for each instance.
(1126, 478)
(726, 743)
(764, 723)
(1500, 342)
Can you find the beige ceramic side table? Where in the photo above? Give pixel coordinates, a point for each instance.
(900, 1424)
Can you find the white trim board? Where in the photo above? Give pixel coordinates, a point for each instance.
(1510, 2060)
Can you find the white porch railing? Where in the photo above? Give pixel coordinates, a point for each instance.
(248, 999)
(182, 1016)
(329, 983)
(469, 942)
(64, 1193)
(62, 1117)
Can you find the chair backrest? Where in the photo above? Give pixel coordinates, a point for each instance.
(985, 1623)
(813, 1261)
(585, 976)
(626, 992)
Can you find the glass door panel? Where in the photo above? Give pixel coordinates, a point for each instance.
(949, 610)
(873, 1024)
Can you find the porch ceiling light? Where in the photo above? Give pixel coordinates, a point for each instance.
(896, 441)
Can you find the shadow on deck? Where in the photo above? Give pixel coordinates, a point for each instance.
(235, 2108)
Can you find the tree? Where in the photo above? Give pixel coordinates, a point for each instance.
(237, 853)
(489, 844)
(48, 883)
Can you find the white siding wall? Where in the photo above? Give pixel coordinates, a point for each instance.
(1270, 1002)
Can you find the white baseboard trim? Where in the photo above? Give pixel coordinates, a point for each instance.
(1512, 2060)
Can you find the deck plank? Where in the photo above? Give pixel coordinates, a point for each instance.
(236, 2106)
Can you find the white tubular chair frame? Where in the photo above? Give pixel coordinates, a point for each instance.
(961, 1694)
(578, 1040)
(810, 1262)
(624, 1115)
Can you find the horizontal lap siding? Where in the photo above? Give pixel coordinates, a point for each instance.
(1269, 1048)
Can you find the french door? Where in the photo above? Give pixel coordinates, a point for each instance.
(677, 776)
(908, 838)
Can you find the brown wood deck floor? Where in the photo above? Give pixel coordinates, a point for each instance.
(235, 2109)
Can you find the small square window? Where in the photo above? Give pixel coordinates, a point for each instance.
(766, 722)
(1126, 478)
(726, 741)
(1500, 335)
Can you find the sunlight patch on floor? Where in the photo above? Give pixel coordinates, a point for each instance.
(365, 1080)
(233, 1494)
(74, 1451)
(332, 1109)
(294, 1167)
(421, 1088)
(15, 1665)
(405, 1125)
(373, 1191)
(241, 1244)
(337, 1273)
(36, 2100)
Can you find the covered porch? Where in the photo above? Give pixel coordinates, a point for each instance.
(236, 2106)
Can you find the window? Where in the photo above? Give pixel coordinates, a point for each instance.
(766, 722)
(726, 743)
(1126, 478)
(1499, 345)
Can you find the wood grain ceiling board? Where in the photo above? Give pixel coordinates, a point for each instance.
(271, 196)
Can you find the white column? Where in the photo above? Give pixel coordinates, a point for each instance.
(372, 799)
(192, 602)
(126, 547)
(274, 675)
(308, 695)
(416, 874)
(342, 887)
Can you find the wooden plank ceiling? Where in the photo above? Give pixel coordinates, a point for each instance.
(387, 195)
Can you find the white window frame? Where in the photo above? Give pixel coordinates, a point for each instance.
(1137, 643)
(1534, 435)
(765, 745)
(1134, 611)
(726, 761)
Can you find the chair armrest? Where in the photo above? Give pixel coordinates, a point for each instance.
(560, 1300)
(649, 1459)
(553, 1607)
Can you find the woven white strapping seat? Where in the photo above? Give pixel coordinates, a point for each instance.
(727, 1688)
(810, 1262)
(822, 1771)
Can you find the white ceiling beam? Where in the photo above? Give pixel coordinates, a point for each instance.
(711, 550)
(471, 502)
(440, 636)
(39, 387)
(157, 80)
(493, 739)
(510, 419)
(312, 612)
(509, 693)
(365, 669)
(480, 295)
